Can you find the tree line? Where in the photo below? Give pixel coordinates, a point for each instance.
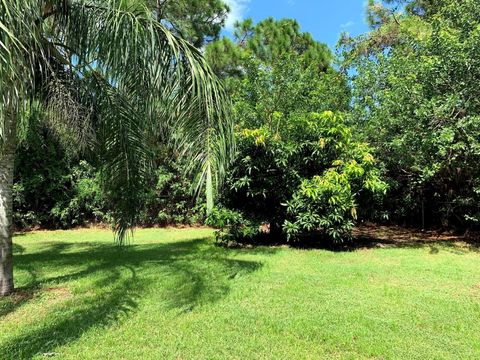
(288, 138)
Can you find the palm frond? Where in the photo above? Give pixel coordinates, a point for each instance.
(143, 75)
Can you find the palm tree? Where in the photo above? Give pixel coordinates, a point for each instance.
(110, 77)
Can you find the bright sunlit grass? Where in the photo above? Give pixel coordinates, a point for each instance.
(172, 294)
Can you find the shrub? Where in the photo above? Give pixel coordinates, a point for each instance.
(86, 203)
(310, 178)
(54, 189)
(168, 199)
(232, 226)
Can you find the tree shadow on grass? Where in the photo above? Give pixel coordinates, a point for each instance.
(18, 249)
(112, 282)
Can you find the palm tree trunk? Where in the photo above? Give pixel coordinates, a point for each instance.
(7, 160)
(209, 190)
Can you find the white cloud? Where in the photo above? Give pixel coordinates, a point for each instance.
(238, 8)
(347, 25)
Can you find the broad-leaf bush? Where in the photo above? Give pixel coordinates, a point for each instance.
(232, 226)
(299, 169)
(328, 202)
(310, 180)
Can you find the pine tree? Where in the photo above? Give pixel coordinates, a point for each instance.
(267, 41)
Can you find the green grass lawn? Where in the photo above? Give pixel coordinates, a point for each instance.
(174, 295)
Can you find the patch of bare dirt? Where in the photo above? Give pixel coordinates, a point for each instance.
(396, 236)
(59, 293)
(400, 234)
(53, 293)
(18, 306)
(20, 296)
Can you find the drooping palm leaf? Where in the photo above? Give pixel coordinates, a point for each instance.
(139, 75)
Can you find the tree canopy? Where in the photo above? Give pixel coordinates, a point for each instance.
(266, 41)
(415, 99)
(198, 21)
(111, 67)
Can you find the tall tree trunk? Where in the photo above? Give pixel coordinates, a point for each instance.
(7, 160)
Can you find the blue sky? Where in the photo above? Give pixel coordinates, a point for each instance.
(324, 19)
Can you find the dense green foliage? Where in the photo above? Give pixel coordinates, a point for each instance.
(298, 170)
(198, 21)
(99, 114)
(175, 295)
(266, 42)
(310, 177)
(110, 76)
(408, 88)
(416, 100)
(68, 192)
